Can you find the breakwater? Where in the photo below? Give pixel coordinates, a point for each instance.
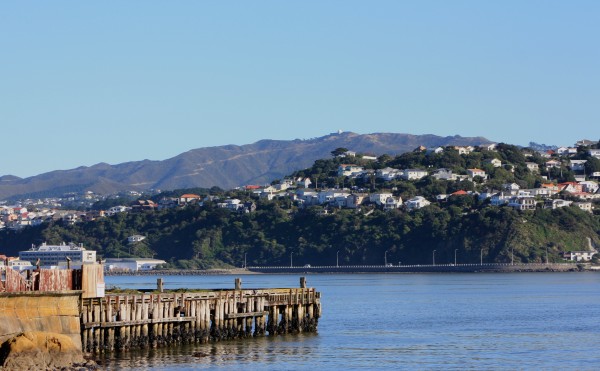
(438, 268)
(148, 320)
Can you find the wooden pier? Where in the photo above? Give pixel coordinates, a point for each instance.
(128, 321)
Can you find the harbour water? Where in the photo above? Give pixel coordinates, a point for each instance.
(406, 321)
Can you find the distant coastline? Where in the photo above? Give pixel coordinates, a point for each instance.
(449, 268)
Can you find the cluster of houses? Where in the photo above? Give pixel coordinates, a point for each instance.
(18, 217)
(33, 212)
(299, 190)
(584, 188)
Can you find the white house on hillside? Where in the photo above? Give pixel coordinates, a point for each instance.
(413, 174)
(533, 167)
(416, 203)
(379, 198)
(349, 170)
(577, 165)
(135, 239)
(472, 173)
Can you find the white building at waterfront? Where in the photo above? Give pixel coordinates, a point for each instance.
(56, 255)
(132, 264)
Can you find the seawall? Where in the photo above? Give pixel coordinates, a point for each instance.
(53, 312)
(439, 268)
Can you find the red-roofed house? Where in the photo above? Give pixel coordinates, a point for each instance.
(188, 197)
(571, 187)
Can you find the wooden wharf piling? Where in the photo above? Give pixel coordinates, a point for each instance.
(146, 320)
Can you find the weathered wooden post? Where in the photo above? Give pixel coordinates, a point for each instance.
(238, 283)
(160, 285)
(302, 282)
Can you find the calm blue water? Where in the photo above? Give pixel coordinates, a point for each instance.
(408, 321)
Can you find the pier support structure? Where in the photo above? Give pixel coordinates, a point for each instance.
(126, 321)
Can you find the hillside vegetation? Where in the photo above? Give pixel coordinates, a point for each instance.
(206, 236)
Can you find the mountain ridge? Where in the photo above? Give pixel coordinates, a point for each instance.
(226, 166)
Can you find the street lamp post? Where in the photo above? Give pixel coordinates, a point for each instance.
(481, 258)
(337, 258)
(455, 250)
(433, 257)
(512, 255)
(291, 259)
(385, 258)
(546, 254)
(245, 254)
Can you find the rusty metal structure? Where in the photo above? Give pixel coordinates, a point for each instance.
(89, 279)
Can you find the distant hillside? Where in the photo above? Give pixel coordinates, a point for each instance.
(224, 166)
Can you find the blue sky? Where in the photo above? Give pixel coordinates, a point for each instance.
(89, 82)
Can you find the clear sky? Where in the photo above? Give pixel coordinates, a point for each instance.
(114, 81)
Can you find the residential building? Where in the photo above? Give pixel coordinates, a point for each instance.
(232, 204)
(494, 162)
(188, 198)
(513, 188)
(462, 150)
(585, 143)
(500, 198)
(379, 198)
(135, 239)
(303, 182)
(355, 200)
(117, 209)
(589, 186)
(571, 187)
(579, 256)
(416, 203)
(413, 174)
(522, 203)
(472, 173)
(388, 173)
(330, 195)
(392, 203)
(577, 165)
(144, 205)
(349, 170)
(585, 206)
(556, 203)
(167, 203)
(541, 192)
(533, 167)
(489, 146)
(443, 174)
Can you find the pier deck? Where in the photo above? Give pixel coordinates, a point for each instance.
(126, 321)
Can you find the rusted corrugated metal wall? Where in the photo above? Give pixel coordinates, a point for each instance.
(15, 282)
(55, 280)
(89, 279)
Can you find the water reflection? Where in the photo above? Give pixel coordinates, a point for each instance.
(264, 351)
